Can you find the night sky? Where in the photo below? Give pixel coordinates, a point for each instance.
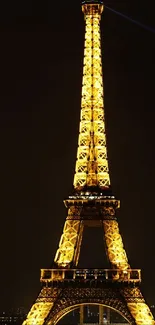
(41, 72)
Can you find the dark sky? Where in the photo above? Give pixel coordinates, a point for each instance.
(40, 76)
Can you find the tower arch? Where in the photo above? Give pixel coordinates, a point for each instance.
(69, 309)
(75, 298)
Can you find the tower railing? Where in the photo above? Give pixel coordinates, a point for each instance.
(107, 275)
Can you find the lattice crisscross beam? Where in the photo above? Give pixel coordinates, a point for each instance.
(70, 241)
(38, 313)
(137, 306)
(92, 163)
(114, 243)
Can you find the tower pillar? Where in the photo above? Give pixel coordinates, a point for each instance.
(101, 309)
(81, 315)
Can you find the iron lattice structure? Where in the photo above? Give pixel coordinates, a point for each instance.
(92, 162)
(65, 287)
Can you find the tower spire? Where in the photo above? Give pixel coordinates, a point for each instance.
(92, 163)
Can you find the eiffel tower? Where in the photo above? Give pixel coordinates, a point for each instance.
(65, 287)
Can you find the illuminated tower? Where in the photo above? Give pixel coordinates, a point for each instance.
(92, 204)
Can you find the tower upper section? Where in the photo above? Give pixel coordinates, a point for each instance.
(96, 6)
(92, 163)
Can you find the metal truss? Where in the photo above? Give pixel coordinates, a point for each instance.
(117, 288)
(92, 163)
(54, 303)
(115, 250)
(70, 242)
(41, 308)
(71, 298)
(137, 306)
(38, 313)
(104, 210)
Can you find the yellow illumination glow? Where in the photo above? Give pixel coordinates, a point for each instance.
(141, 313)
(114, 243)
(91, 170)
(70, 242)
(92, 163)
(137, 306)
(38, 313)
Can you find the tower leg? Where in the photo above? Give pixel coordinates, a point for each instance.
(70, 242)
(137, 306)
(42, 307)
(114, 244)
